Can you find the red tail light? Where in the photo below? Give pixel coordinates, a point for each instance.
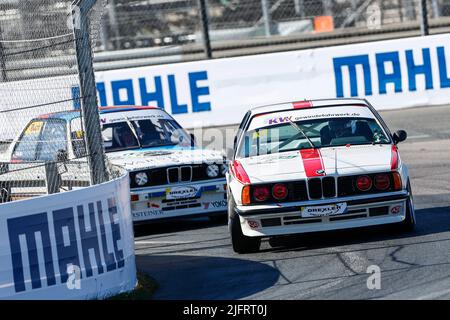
(279, 191)
(382, 181)
(261, 193)
(364, 183)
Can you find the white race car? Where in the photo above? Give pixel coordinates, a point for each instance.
(169, 175)
(314, 166)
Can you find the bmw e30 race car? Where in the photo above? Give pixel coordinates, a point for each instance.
(315, 166)
(169, 175)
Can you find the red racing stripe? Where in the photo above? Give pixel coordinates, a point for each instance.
(312, 162)
(302, 104)
(394, 157)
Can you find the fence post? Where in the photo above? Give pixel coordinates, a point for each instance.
(3, 73)
(424, 28)
(266, 17)
(88, 92)
(52, 177)
(205, 28)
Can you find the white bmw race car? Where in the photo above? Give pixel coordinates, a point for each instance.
(314, 166)
(169, 175)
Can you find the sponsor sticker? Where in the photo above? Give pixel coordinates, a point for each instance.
(320, 211)
(396, 209)
(176, 193)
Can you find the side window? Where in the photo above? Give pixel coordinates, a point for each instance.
(53, 140)
(240, 130)
(26, 147)
(77, 137)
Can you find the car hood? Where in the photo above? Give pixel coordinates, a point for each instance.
(157, 158)
(334, 161)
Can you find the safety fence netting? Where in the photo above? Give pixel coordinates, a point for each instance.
(42, 136)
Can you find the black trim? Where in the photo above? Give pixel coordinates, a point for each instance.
(293, 208)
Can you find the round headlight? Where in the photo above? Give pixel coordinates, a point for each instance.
(223, 169)
(141, 178)
(212, 170)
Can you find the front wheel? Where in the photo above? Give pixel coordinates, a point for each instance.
(241, 243)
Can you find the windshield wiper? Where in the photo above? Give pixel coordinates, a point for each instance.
(297, 127)
(134, 132)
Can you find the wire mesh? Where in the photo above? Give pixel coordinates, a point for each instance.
(42, 138)
(173, 28)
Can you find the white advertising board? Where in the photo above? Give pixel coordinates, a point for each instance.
(73, 245)
(390, 74)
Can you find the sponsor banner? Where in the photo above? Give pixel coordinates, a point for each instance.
(73, 245)
(294, 115)
(390, 74)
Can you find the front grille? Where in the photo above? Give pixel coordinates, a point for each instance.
(174, 174)
(315, 188)
(186, 174)
(322, 188)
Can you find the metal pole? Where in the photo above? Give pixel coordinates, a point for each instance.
(205, 28)
(424, 18)
(88, 93)
(266, 16)
(113, 23)
(52, 177)
(2, 58)
(436, 8)
(408, 6)
(299, 7)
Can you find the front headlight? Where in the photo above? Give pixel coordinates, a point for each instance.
(212, 171)
(141, 178)
(223, 169)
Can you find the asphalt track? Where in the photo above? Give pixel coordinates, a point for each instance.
(193, 259)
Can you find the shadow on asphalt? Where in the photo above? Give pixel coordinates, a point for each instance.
(178, 225)
(206, 278)
(429, 221)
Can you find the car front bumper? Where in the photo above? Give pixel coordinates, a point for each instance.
(361, 212)
(154, 203)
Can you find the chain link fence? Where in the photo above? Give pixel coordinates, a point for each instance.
(43, 145)
(168, 28)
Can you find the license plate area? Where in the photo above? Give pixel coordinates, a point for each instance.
(323, 211)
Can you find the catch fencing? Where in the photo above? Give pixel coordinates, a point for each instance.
(182, 30)
(46, 146)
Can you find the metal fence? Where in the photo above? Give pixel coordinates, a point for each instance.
(238, 27)
(46, 146)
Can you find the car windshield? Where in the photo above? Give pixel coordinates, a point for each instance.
(146, 133)
(317, 133)
(41, 141)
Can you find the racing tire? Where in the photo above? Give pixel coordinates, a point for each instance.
(218, 218)
(240, 242)
(409, 223)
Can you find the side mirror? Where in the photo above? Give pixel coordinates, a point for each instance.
(62, 156)
(193, 140)
(399, 136)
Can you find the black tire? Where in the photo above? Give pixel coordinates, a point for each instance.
(240, 242)
(409, 223)
(218, 218)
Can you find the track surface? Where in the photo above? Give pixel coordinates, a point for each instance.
(193, 259)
